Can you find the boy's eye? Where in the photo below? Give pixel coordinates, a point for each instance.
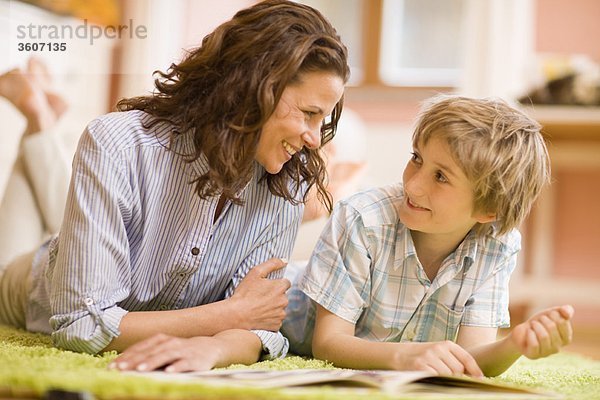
(416, 158)
(441, 177)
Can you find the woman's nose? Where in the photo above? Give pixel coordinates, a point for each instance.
(312, 137)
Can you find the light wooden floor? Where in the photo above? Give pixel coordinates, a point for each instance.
(586, 341)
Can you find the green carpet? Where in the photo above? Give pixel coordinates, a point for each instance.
(30, 367)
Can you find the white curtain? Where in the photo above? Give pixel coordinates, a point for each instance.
(499, 48)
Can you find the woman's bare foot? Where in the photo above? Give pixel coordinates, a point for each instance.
(39, 72)
(26, 92)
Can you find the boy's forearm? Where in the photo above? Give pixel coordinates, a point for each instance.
(495, 358)
(352, 352)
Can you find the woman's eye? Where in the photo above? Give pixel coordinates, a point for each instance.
(309, 114)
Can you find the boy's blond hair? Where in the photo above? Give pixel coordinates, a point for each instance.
(500, 149)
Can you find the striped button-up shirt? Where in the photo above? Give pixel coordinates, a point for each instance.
(137, 237)
(365, 270)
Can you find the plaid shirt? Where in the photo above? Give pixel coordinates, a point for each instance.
(365, 270)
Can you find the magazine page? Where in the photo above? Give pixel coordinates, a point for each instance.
(303, 377)
(417, 382)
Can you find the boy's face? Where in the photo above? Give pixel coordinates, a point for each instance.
(438, 195)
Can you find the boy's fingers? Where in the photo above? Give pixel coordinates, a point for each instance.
(440, 367)
(566, 311)
(566, 332)
(269, 266)
(552, 329)
(451, 365)
(555, 315)
(532, 347)
(470, 365)
(542, 336)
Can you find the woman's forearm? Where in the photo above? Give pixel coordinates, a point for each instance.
(205, 320)
(238, 346)
(198, 353)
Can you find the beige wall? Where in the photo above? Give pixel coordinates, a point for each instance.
(568, 26)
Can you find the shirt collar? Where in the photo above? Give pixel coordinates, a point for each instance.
(463, 256)
(405, 248)
(184, 144)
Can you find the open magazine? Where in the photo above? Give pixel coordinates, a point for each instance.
(400, 382)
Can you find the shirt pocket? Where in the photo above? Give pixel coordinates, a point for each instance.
(445, 323)
(434, 322)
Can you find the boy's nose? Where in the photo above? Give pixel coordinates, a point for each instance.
(414, 186)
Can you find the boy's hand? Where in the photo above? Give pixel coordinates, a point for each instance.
(544, 333)
(444, 358)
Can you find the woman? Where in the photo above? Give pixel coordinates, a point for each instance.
(33, 200)
(181, 205)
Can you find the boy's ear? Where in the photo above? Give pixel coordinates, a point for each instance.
(484, 218)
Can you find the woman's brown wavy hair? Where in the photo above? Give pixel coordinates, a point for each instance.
(225, 90)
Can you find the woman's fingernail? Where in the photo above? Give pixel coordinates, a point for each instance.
(112, 365)
(284, 260)
(170, 368)
(123, 365)
(142, 367)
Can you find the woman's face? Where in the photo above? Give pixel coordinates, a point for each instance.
(297, 119)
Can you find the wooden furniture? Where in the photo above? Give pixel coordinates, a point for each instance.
(561, 257)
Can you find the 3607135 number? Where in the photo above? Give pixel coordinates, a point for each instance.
(41, 46)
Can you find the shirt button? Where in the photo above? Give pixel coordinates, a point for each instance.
(195, 251)
(88, 301)
(163, 307)
(182, 274)
(410, 335)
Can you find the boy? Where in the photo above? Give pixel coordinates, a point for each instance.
(414, 276)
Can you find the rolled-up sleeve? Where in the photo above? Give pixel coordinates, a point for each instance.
(488, 304)
(277, 242)
(91, 272)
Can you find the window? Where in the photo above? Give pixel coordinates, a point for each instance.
(346, 17)
(421, 42)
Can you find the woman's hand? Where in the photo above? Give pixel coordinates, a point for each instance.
(444, 358)
(200, 353)
(544, 333)
(259, 301)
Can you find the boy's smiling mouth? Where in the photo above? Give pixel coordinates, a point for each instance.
(414, 205)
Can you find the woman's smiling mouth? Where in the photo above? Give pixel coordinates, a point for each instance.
(291, 150)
